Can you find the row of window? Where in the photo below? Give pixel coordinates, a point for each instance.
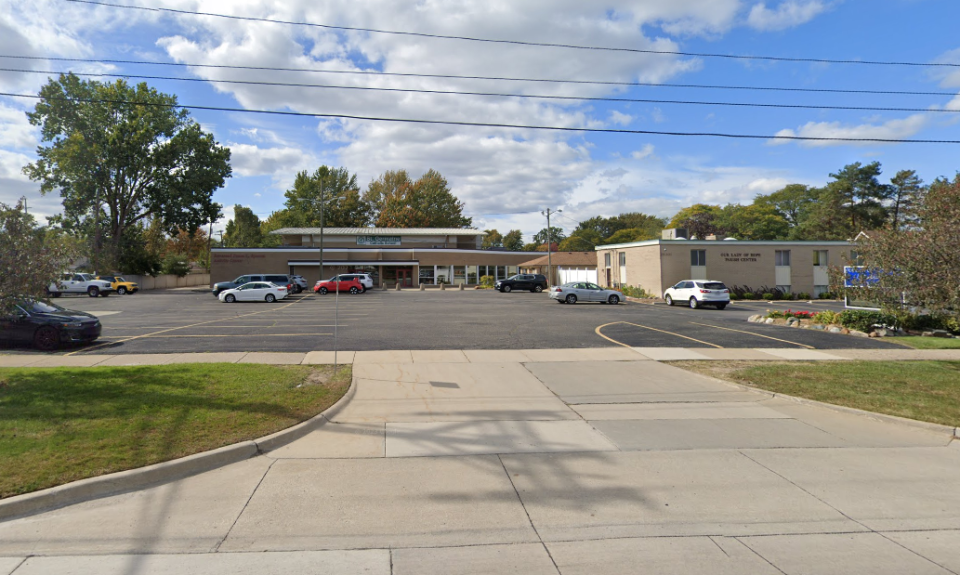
(464, 274)
(781, 258)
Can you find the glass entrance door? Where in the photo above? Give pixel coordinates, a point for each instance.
(405, 277)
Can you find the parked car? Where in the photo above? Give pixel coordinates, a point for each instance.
(300, 282)
(365, 279)
(121, 285)
(584, 291)
(532, 282)
(254, 291)
(349, 285)
(696, 293)
(278, 279)
(78, 283)
(46, 325)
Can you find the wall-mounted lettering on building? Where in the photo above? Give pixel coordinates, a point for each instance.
(378, 240)
(739, 257)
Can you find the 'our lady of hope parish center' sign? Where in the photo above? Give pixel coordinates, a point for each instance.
(378, 240)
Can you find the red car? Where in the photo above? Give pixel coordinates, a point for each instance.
(352, 286)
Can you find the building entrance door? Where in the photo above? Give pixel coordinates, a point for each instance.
(405, 277)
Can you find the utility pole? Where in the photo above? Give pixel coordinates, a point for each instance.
(547, 213)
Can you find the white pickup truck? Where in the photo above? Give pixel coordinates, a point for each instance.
(77, 283)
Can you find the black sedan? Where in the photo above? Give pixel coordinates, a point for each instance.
(46, 325)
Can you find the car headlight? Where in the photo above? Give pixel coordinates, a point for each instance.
(76, 324)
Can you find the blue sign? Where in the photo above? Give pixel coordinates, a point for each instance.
(859, 276)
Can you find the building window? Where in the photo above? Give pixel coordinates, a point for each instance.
(459, 274)
(855, 258)
(698, 257)
(606, 259)
(782, 258)
(426, 274)
(817, 290)
(623, 259)
(472, 274)
(820, 258)
(784, 289)
(501, 272)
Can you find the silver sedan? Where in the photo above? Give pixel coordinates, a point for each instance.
(584, 291)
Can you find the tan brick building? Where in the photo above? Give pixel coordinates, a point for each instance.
(656, 265)
(391, 255)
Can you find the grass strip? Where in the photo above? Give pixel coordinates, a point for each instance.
(921, 390)
(62, 424)
(917, 342)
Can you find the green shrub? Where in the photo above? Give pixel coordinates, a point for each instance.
(936, 321)
(863, 320)
(176, 264)
(734, 296)
(637, 292)
(767, 296)
(827, 317)
(826, 295)
(803, 295)
(749, 295)
(487, 281)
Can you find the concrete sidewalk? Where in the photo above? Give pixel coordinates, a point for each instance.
(483, 356)
(536, 462)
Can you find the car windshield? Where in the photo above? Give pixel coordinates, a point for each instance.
(119, 279)
(40, 307)
(109, 278)
(713, 285)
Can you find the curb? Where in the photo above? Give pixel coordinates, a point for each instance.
(151, 475)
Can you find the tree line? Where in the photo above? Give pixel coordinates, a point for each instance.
(330, 197)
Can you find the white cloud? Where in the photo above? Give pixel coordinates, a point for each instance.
(658, 116)
(891, 130)
(788, 14)
(15, 130)
(767, 185)
(279, 162)
(645, 152)
(620, 118)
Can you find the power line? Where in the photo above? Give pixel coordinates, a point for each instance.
(496, 94)
(489, 124)
(491, 78)
(518, 42)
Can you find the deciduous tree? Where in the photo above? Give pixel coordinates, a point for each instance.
(336, 188)
(513, 240)
(119, 154)
(243, 231)
(30, 257)
(491, 239)
(907, 188)
(426, 203)
(700, 220)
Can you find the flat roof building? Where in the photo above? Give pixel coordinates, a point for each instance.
(405, 256)
(655, 265)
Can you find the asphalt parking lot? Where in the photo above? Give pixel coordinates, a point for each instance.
(190, 320)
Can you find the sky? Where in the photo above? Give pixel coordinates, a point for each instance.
(507, 176)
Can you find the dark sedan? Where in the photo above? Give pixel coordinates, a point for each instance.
(46, 325)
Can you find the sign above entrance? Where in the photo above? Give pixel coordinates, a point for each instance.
(378, 240)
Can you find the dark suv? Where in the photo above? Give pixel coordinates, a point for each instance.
(532, 282)
(277, 279)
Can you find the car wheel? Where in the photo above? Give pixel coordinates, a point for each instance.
(560, 301)
(669, 300)
(46, 338)
(270, 298)
(721, 306)
(506, 289)
(537, 289)
(614, 300)
(93, 291)
(56, 294)
(230, 298)
(571, 299)
(121, 290)
(694, 304)
(354, 291)
(323, 291)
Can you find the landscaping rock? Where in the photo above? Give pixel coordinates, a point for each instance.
(769, 320)
(939, 333)
(818, 326)
(755, 318)
(836, 329)
(858, 333)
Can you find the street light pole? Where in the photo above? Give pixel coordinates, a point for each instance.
(547, 213)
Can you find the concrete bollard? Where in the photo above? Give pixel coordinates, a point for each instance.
(383, 287)
(461, 286)
(443, 287)
(423, 287)
(398, 286)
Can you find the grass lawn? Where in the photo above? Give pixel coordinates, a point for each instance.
(918, 342)
(63, 424)
(923, 390)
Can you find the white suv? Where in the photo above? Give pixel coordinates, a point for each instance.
(696, 293)
(299, 282)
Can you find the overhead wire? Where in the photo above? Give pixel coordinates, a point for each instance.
(470, 77)
(520, 42)
(497, 94)
(495, 124)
